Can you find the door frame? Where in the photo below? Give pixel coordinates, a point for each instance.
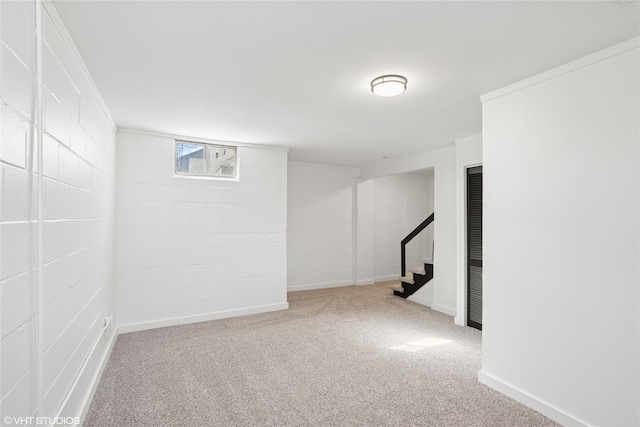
(469, 322)
(468, 154)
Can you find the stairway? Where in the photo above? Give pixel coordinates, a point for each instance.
(414, 280)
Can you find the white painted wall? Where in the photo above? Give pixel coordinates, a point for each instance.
(440, 294)
(78, 239)
(319, 228)
(401, 203)
(197, 249)
(365, 261)
(324, 216)
(561, 325)
(468, 154)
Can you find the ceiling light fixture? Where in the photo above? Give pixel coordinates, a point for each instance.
(389, 85)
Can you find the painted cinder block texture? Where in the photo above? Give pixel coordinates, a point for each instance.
(78, 194)
(194, 249)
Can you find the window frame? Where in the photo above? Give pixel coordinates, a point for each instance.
(207, 158)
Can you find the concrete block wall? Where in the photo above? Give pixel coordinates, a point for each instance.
(197, 249)
(440, 292)
(365, 232)
(331, 213)
(78, 238)
(401, 203)
(320, 226)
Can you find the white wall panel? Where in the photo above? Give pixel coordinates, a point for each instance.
(401, 203)
(195, 249)
(320, 226)
(440, 292)
(561, 241)
(468, 153)
(365, 232)
(78, 238)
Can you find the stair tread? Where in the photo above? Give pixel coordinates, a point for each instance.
(418, 271)
(427, 261)
(397, 288)
(407, 279)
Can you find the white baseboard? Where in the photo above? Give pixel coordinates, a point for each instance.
(323, 285)
(444, 309)
(386, 278)
(135, 327)
(420, 300)
(526, 399)
(365, 282)
(95, 378)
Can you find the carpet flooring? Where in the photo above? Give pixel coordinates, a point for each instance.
(352, 356)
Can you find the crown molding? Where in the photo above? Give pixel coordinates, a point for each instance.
(471, 138)
(610, 52)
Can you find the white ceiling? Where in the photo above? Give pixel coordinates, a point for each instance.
(297, 74)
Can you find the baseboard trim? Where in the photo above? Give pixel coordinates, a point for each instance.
(420, 300)
(365, 282)
(95, 379)
(323, 285)
(386, 278)
(444, 309)
(175, 321)
(532, 402)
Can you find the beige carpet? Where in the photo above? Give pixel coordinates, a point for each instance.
(353, 356)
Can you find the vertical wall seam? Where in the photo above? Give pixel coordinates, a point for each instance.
(354, 231)
(373, 230)
(40, 215)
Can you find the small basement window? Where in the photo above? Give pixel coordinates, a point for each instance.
(200, 159)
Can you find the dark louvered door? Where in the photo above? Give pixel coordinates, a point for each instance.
(474, 247)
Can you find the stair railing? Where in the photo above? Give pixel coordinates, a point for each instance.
(409, 237)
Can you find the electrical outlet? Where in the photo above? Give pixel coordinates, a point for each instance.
(107, 320)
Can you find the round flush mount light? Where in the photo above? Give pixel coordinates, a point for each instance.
(389, 85)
